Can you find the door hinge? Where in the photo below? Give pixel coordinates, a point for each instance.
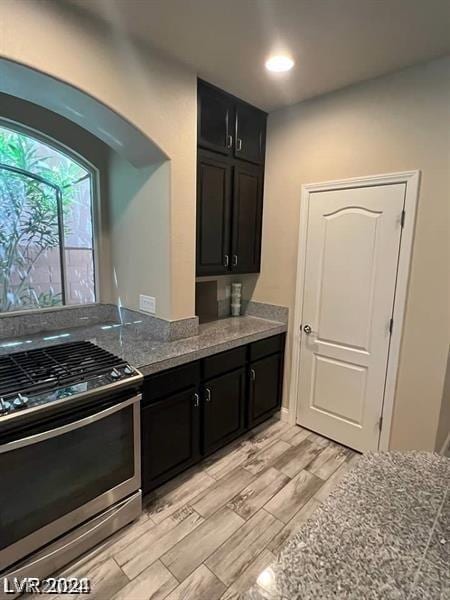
(402, 218)
(380, 423)
(391, 326)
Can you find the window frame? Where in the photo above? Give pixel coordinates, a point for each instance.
(95, 207)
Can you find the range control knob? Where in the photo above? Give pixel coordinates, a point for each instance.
(5, 406)
(20, 401)
(115, 374)
(128, 370)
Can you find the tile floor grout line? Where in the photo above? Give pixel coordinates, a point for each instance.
(218, 547)
(262, 550)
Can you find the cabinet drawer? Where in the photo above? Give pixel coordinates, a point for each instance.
(224, 362)
(267, 346)
(169, 382)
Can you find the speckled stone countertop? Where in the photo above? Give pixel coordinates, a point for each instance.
(383, 534)
(136, 347)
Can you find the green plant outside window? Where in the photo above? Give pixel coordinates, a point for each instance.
(46, 239)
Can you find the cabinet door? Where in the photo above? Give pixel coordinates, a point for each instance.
(265, 388)
(215, 119)
(223, 409)
(250, 134)
(170, 437)
(213, 214)
(247, 219)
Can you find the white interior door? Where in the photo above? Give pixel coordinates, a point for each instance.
(352, 249)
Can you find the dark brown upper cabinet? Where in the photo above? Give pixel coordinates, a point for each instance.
(247, 219)
(214, 183)
(216, 118)
(250, 133)
(230, 180)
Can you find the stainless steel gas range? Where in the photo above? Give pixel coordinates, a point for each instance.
(69, 454)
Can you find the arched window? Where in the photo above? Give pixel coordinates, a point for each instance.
(46, 233)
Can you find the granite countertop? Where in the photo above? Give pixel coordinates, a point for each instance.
(134, 344)
(383, 534)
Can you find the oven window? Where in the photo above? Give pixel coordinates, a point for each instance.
(42, 482)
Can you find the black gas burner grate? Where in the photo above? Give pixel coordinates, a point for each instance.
(44, 369)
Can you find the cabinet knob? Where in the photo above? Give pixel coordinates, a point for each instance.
(235, 260)
(238, 144)
(196, 400)
(226, 260)
(208, 395)
(252, 374)
(229, 141)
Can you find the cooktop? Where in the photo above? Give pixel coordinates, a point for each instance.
(34, 378)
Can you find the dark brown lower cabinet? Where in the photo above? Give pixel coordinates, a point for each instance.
(170, 437)
(191, 411)
(223, 410)
(265, 388)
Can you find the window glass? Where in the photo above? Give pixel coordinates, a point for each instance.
(46, 233)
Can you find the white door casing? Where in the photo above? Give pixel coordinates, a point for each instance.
(348, 275)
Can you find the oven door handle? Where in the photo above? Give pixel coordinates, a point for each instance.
(46, 435)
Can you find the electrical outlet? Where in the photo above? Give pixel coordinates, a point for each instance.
(147, 304)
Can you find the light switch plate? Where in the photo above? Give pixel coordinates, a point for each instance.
(147, 304)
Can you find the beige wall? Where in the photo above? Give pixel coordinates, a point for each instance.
(139, 233)
(399, 122)
(155, 94)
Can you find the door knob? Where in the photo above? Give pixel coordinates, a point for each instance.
(307, 329)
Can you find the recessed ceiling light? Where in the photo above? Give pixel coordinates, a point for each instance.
(279, 64)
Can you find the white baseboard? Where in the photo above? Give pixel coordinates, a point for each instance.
(284, 414)
(444, 448)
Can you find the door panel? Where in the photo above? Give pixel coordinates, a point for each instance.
(223, 409)
(347, 288)
(215, 119)
(169, 437)
(265, 387)
(352, 251)
(250, 133)
(213, 214)
(247, 219)
(330, 375)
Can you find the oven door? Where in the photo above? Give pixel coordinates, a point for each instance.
(59, 474)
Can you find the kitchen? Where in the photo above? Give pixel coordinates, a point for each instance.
(191, 184)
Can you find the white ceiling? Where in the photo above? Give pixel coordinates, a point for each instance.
(334, 42)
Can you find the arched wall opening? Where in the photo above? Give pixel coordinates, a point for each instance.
(143, 109)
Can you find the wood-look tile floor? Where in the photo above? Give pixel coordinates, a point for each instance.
(207, 534)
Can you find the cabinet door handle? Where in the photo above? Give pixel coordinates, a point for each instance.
(229, 141)
(196, 400)
(208, 395)
(226, 261)
(239, 144)
(252, 374)
(235, 260)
